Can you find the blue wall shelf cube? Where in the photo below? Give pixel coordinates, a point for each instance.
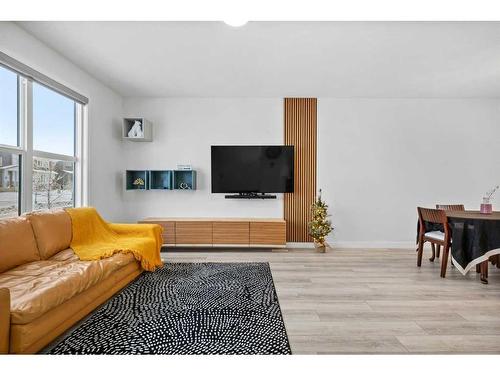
(133, 175)
(184, 180)
(160, 180)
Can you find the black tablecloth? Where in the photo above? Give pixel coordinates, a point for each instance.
(474, 240)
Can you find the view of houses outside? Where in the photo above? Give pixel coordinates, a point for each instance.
(52, 184)
(9, 184)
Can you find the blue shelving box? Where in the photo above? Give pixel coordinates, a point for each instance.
(160, 180)
(184, 180)
(133, 175)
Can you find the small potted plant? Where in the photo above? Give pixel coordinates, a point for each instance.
(320, 226)
(486, 206)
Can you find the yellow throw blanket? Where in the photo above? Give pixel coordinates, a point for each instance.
(94, 238)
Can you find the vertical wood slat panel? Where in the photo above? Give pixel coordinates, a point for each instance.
(300, 116)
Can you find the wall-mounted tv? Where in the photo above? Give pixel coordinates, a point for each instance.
(252, 169)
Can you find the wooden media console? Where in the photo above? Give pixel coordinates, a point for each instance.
(221, 232)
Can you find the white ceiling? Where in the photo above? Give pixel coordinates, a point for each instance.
(280, 59)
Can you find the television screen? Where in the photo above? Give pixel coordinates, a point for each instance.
(252, 169)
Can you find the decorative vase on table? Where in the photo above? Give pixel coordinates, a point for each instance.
(320, 226)
(486, 207)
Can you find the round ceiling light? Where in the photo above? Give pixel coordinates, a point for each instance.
(235, 22)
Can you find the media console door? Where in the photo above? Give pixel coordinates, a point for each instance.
(206, 232)
(267, 233)
(227, 233)
(193, 233)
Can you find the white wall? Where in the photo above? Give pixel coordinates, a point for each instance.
(183, 131)
(380, 158)
(377, 158)
(104, 113)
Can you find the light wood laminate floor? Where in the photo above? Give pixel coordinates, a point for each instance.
(373, 301)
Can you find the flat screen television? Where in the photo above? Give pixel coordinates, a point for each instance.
(252, 169)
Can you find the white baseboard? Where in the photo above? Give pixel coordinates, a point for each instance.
(301, 245)
(357, 245)
(373, 244)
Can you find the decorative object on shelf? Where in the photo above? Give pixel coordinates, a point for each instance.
(184, 167)
(486, 206)
(136, 130)
(320, 226)
(184, 179)
(138, 182)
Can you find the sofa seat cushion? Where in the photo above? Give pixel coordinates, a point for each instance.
(39, 286)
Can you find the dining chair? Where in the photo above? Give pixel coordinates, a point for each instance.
(436, 250)
(436, 237)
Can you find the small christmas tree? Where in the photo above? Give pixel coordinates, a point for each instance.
(320, 226)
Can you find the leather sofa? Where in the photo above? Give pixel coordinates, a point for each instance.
(44, 288)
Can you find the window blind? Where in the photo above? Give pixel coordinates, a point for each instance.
(30, 73)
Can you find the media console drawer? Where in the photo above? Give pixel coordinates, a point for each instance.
(267, 233)
(193, 232)
(223, 232)
(231, 233)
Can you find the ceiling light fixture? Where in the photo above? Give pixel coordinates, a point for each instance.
(236, 22)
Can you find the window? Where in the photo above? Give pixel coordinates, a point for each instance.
(54, 126)
(10, 155)
(53, 122)
(8, 108)
(40, 144)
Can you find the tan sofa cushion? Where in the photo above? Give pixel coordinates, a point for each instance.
(40, 286)
(52, 231)
(17, 243)
(31, 337)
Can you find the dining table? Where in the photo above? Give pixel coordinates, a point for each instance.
(475, 239)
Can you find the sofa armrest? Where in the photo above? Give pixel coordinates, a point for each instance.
(4, 320)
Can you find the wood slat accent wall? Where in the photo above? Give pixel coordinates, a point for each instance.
(300, 131)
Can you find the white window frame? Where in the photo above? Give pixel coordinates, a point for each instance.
(27, 153)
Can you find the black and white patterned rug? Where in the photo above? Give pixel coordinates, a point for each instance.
(187, 308)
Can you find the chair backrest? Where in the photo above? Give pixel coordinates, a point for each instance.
(432, 215)
(450, 207)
